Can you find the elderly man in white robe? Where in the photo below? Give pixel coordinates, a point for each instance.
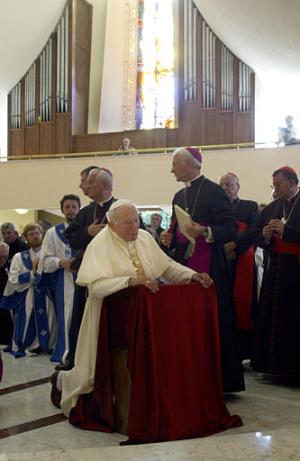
(121, 255)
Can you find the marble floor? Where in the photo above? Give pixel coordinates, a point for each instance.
(271, 431)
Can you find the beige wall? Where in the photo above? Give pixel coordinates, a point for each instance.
(145, 179)
(19, 220)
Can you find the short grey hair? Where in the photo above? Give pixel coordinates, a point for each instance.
(184, 154)
(7, 225)
(104, 177)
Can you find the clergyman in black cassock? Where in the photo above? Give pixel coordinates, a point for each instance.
(80, 233)
(211, 210)
(277, 345)
(240, 255)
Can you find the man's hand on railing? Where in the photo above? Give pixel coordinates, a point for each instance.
(152, 285)
(203, 278)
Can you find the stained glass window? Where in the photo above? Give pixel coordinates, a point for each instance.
(155, 101)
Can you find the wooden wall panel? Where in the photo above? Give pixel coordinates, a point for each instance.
(190, 128)
(245, 132)
(225, 127)
(17, 141)
(210, 126)
(47, 137)
(140, 139)
(172, 138)
(63, 137)
(31, 140)
(144, 138)
(81, 55)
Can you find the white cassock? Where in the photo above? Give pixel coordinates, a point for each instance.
(106, 268)
(33, 311)
(259, 261)
(61, 285)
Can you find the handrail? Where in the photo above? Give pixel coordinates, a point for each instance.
(156, 150)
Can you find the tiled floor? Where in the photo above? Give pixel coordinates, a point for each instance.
(271, 431)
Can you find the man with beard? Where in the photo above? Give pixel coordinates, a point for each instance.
(277, 347)
(32, 310)
(240, 255)
(55, 273)
(212, 225)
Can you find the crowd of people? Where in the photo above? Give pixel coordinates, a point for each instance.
(52, 285)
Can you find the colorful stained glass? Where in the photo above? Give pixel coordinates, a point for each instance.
(155, 100)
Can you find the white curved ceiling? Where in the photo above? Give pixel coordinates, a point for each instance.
(25, 26)
(265, 34)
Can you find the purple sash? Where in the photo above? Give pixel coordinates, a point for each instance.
(201, 258)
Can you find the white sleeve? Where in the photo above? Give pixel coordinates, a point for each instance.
(106, 287)
(20, 277)
(176, 272)
(49, 260)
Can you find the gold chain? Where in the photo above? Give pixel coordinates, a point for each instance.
(285, 219)
(133, 256)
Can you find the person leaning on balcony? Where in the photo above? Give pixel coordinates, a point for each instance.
(126, 147)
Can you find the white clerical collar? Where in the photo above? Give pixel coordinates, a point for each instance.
(105, 201)
(189, 183)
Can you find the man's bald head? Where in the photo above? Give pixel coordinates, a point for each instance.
(100, 185)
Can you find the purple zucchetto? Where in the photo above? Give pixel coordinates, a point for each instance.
(196, 153)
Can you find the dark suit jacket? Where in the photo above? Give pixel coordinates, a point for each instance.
(246, 211)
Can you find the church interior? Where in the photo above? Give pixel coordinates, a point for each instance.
(121, 84)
